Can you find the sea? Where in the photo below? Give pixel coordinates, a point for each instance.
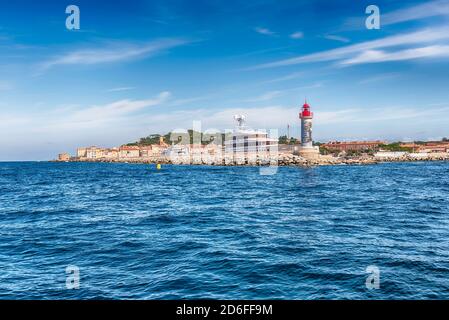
(130, 231)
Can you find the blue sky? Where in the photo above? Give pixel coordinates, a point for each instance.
(141, 67)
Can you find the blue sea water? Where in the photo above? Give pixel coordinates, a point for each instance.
(224, 232)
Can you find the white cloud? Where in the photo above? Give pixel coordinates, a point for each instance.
(376, 56)
(380, 77)
(377, 115)
(297, 35)
(315, 85)
(347, 52)
(336, 38)
(120, 89)
(186, 101)
(74, 118)
(113, 52)
(265, 97)
(353, 122)
(269, 116)
(42, 135)
(289, 76)
(421, 11)
(116, 109)
(264, 31)
(429, 9)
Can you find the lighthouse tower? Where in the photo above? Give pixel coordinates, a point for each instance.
(306, 117)
(307, 149)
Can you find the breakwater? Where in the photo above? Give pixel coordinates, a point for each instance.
(282, 160)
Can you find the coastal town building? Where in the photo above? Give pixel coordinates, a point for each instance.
(158, 150)
(96, 153)
(129, 152)
(146, 152)
(212, 152)
(91, 152)
(178, 152)
(162, 143)
(340, 146)
(195, 153)
(110, 153)
(63, 157)
(154, 151)
(81, 153)
(390, 154)
(428, 147)
(123, 153)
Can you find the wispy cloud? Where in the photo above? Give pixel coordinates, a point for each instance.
(64, 129)
(429, 9)
(315, 85)
(287, 77)
(113, 52)
(336, 38)
(120, 89)
(381, 77)
(116, 109)
(264, 31)
(391, 113)
(187, 101)
(351, 51)
(297, 35)
(259, 52)
(421, 11)
(277, 116)
(265, 97)
(376, 56)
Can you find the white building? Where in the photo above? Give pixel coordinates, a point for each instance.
(245, 145)
(390, 154)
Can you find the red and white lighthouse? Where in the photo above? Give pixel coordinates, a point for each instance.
(306, 117)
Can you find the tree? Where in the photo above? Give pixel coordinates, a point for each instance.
(284, 140)
(324, 150)
(395, 146)
(154, 138)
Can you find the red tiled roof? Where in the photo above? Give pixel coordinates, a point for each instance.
(342, 143)
(129, 148)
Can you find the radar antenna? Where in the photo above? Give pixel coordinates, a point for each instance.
(240, 120)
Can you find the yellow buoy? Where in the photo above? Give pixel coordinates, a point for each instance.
(158, 166)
